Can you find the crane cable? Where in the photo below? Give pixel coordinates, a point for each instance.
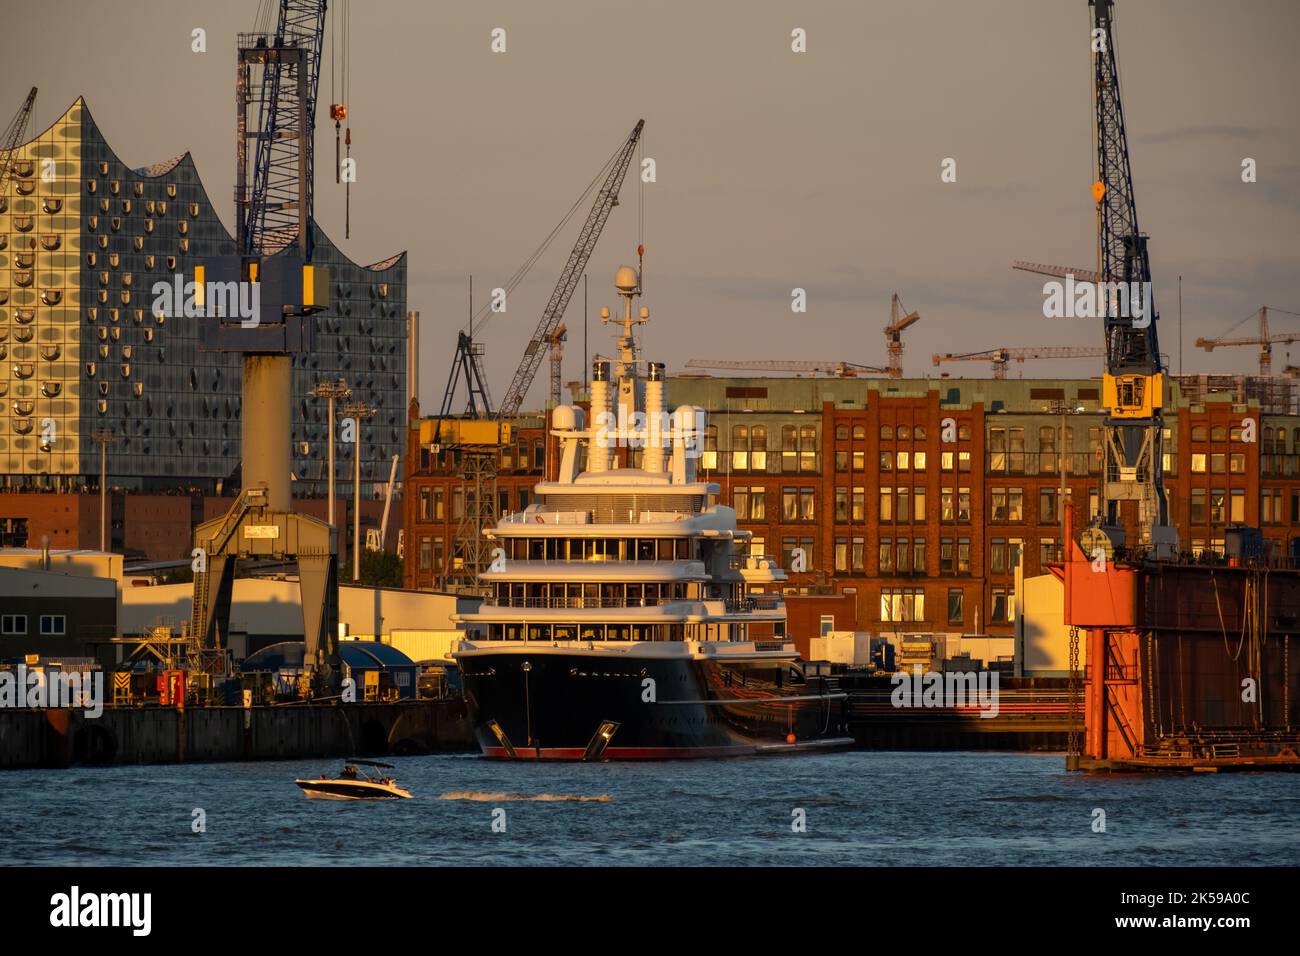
(485, 311)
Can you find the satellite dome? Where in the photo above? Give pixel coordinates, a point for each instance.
(625, 279)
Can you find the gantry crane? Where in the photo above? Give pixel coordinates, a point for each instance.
(12, 138)
(899, 319)
(275, 94)
(812, 367)
(1134, 382)
(1264, 340)
(1001, 357)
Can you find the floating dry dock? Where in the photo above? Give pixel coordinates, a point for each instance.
(1190, 667)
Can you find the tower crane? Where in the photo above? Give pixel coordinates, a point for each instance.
(1134, 381)
(12, 137)
(1001, 357)
(899, 319)
(1264, 340)
(813, 367)
(558, 338)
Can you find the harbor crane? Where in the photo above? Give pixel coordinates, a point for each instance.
(1134, 381)
(899, 319)
(1002, 357)
(276, 80)
(812, 367)
(12, 138)
(1264, 340)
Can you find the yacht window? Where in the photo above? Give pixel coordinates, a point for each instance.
(611, 594)
(665, 549)
(536, 549)
(634, 595)
(645, 549)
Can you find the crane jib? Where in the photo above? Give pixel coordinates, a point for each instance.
(606, 199)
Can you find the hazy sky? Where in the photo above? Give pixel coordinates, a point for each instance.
(775, 170)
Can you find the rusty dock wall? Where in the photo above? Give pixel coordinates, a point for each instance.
(61, 737)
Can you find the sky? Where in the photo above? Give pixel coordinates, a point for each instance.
(774, 170)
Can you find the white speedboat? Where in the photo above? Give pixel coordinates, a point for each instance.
(354, 784)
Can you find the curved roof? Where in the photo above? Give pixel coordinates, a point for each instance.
(359, 655)
(166, 166)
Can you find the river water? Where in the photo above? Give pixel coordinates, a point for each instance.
(856, 808)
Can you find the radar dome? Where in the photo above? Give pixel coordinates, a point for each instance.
(625, 279)
(567, 418)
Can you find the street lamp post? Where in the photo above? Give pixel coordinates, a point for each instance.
(101, 437)
(331, 391)
(358, 412)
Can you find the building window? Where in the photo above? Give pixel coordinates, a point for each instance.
(859, 555)
(1047, 505)
(425, 498)
(13, 624)
(902, 604)
(758, 448)
(886, 504)
(885, 555)
(841, 554)
(956, 612)
(963, 555)
(740, 448)
(740, 501)
(841, 504)
(946, 556)
(426, 554)
(1002, 610)
(859, 511)
(757, 504)
(709, 457)
(1237, 506)
(1198, 463)
(1218, 506)
(789, 504)
(918, 555)
(918, 504)
(1198, 512)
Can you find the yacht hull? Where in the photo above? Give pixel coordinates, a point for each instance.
(584, 706)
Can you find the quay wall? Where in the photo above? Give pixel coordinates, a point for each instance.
(62, 738)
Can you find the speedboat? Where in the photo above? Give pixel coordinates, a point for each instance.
(354, 784)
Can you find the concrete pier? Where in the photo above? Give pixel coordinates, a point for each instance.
(62, 738)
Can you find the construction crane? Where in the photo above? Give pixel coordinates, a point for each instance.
(12, 139)
(1133, 384)
(606, 200)
(899, 319)
(474, 439)
(558, 338)
(1060, 272)
(812, 367)
(1002, 357)
(1264, 340)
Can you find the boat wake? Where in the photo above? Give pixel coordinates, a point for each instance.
(487, 797)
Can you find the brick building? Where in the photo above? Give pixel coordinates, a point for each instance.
(921, 496)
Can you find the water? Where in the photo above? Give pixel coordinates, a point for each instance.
(862, 807)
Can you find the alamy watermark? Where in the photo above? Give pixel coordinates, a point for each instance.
(1074, 299)
(37, 689)
(230, 300)
(953, 689)
(641, 430)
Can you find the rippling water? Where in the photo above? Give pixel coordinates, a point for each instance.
(862, 807)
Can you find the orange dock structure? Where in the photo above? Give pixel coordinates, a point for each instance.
(1188, 666)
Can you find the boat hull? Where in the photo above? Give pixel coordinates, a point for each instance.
(350, 790)
(557, 706)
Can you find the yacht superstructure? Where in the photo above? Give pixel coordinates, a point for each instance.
(625, 616)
